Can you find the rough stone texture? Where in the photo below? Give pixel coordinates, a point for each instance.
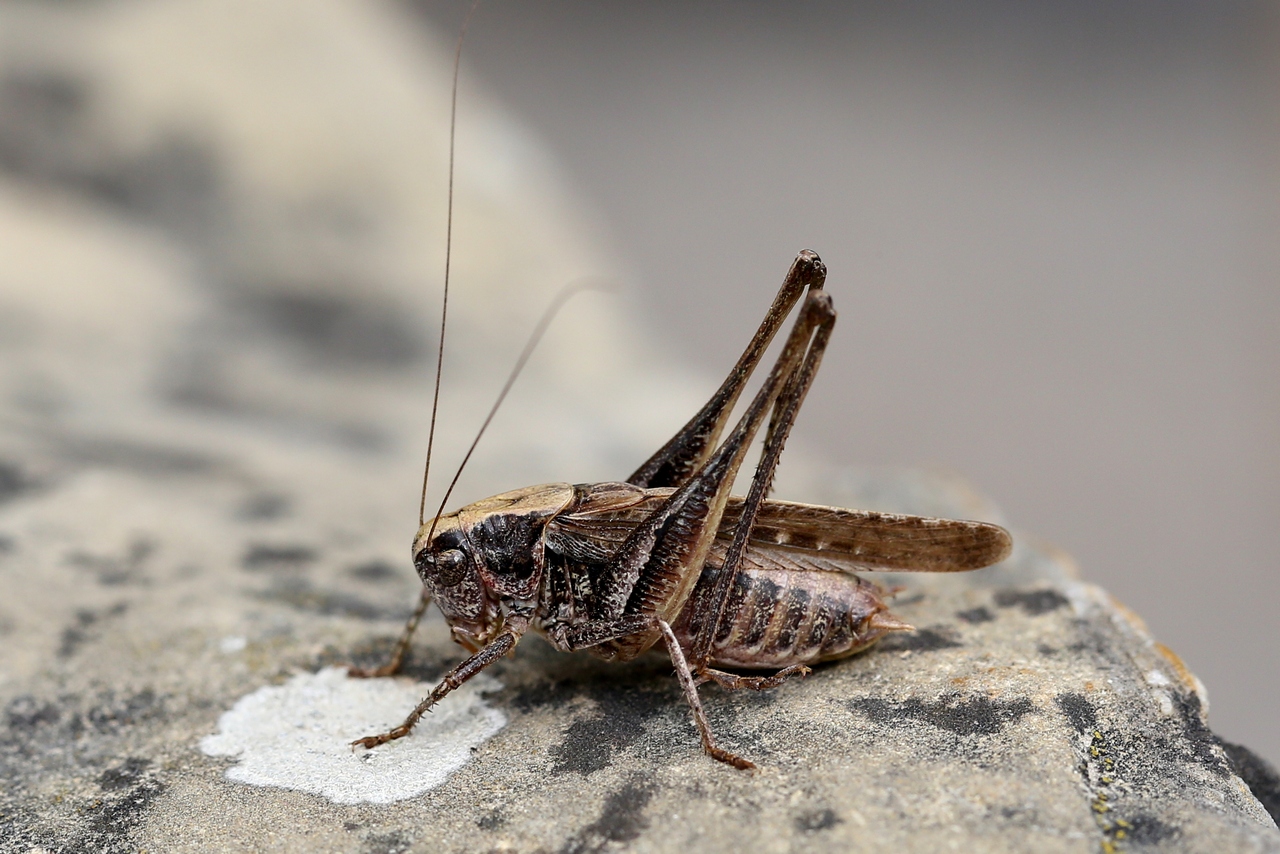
(218, 250)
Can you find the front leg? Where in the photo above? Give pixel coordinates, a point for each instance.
(500, 646)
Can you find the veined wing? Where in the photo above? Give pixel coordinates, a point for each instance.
(789, 535)
(600, 519)
(832, 539)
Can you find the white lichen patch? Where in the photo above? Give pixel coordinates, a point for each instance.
(298, 736)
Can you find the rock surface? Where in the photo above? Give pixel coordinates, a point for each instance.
(217, 250)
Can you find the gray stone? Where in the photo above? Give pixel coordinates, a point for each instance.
(214, 388)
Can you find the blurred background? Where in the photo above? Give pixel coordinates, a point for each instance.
(1052, 234)
(1052, 229)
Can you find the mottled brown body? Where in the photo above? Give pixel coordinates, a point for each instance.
(795, 600)
(670, 557)
(781, 618)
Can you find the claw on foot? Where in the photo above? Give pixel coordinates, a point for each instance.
(371, 741)
(731, 759)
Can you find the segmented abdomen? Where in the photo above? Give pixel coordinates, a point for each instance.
(776, 617)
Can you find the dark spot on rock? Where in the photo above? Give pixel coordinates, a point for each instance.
(138, 457)
(1032, 602)
(41, 113)
(921, 640)
(330, 329)
(977, 715)
(112, 713)
(116, 570)
(303, 595)
(621, 713)
(123, 775)
(7, 544)
(388, 843)
(1205, 747)
(75, 635)
(203, 385)
(264, 508)
(540, 694)
(281, 557)
(976, 615)
(175, 182)
(1079, 711)
(816, 820)
(25, 713)
(1094, 646)
(13, 482)
(1258, 774)
(49, 132)
(374, 570)
(1149, 830)
(113, 820)
(621, 819)
(492, 820)
(1045, 649)
(350, 826)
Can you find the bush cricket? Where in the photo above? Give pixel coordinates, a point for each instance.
(669, 556)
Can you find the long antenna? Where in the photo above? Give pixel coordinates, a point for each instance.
(448, 255)
(566, 293)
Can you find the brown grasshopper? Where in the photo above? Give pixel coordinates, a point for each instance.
(670, 556)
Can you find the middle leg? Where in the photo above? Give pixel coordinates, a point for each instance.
(734, 682)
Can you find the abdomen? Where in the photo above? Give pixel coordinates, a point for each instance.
(775, 618)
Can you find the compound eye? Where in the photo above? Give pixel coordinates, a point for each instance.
(450, 566)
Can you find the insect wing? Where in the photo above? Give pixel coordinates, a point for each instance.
(790, 535)
(600, 519)
(832, 539)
